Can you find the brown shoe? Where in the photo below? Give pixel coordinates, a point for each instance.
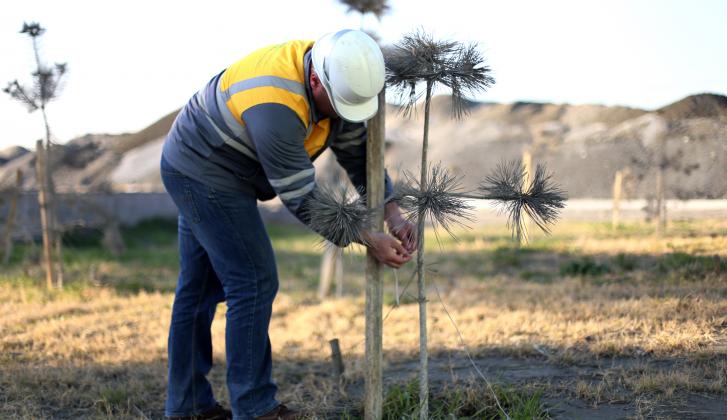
(218, 412)
(281, 412)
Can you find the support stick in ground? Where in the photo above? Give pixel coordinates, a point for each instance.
(336, 358)
(373, 399)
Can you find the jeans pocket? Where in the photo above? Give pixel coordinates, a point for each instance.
(191, 204)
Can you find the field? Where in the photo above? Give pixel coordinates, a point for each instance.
(587, 323)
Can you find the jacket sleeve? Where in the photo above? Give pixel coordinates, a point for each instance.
(278, 136)
(350, 150)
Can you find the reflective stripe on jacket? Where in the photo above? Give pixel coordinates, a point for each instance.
(274, 74)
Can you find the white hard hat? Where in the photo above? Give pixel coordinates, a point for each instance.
(350, 66)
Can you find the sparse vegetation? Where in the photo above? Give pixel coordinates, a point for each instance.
(644, 335)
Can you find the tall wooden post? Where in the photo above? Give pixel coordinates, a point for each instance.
(374, 288)
(44, 202)
(617, 188)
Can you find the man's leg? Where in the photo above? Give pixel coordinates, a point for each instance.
(231, 231)
(197, 294)
(190, 341)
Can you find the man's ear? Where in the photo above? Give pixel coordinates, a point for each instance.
(314, 80)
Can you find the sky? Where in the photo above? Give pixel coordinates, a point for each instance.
(132, 62)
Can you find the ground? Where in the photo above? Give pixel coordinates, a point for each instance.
(590, 322)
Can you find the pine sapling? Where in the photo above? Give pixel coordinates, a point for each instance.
(416, 59)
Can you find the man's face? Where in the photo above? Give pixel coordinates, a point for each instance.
(320, 97)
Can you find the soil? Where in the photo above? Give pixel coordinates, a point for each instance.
(559, 396)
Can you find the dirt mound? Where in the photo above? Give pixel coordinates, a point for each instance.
(12, 152)
(158, 129)
(705, 105)
(590, 141)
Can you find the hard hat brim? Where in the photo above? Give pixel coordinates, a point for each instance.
(355, 113)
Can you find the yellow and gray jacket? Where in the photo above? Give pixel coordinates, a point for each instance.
(254, 129)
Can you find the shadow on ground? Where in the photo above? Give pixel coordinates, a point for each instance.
(596, 388)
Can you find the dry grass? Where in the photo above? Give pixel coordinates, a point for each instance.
(100, 351)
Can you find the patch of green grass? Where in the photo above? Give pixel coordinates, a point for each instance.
(82, 237)
(690, 267)
(461, 401)
(133, 286)
(507, 257)
(151, 232)
(112, 399)
(582, 267)
(537, 276)
(625, 262)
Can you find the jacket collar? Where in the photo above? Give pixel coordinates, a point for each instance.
(308, 91)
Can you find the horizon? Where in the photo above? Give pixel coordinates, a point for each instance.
(479, 102)
(624, 53)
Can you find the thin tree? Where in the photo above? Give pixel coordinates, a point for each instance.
(417, 59)
(45, 88)
(436, 196)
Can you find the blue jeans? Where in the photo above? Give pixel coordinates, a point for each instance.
(225, 254)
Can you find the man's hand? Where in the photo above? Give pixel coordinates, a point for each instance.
(402, 229)
(386, 249)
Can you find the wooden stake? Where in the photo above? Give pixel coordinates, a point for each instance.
(10, 224)
(336, 358)
(46, 219)
(373, 398)
(617, 188)
(331, 267)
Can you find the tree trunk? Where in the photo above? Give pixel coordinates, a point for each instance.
(53, 207)
(373, 399)
(421, 283)
(46, 218)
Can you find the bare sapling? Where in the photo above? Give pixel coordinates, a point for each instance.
(45, 87)
(420, 59)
